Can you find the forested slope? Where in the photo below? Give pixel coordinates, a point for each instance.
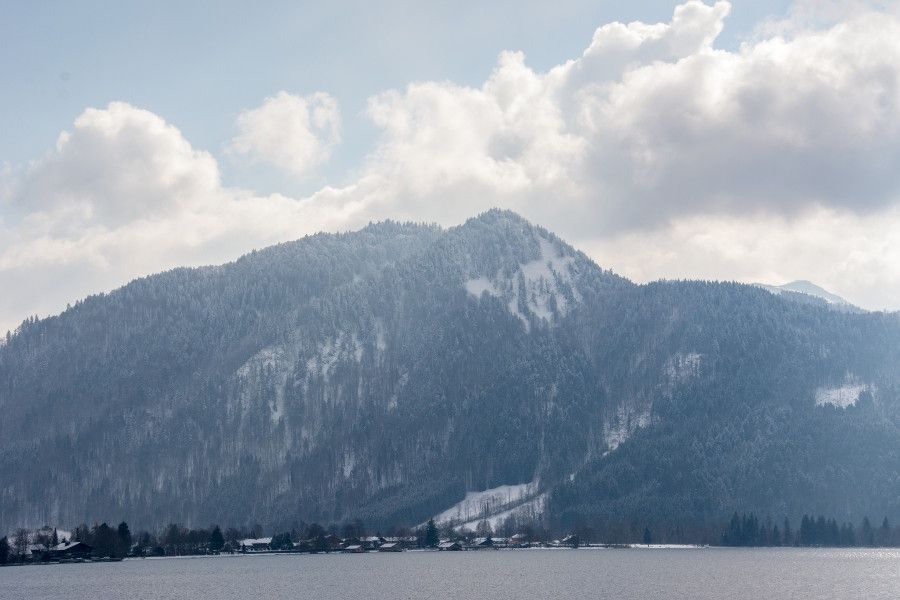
(384, 373)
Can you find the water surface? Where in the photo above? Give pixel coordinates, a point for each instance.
(697, 574)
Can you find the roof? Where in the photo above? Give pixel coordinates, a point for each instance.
(68, 546)
(255, 541)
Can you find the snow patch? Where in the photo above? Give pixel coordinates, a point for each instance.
(273, 359)
(380, 337)
(341, 348)
(477, 506)
(479, 286)
(349, 463)
(529, 510)
(539, 285)
(625, 422)
(683, 366)
(842, 396)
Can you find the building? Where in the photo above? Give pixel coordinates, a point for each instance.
(255, 544)
(391, 547)
(354, 549)
(70, 550)
(450, 546)
(371, 542)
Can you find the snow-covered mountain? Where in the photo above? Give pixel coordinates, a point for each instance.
(406, 371)
(806, 291)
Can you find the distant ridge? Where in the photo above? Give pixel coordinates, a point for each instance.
(809, 294)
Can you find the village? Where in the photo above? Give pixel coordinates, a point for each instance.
(103, 543)
(354, 545)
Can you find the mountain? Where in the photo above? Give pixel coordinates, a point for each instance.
(810, 293)
(406, 371)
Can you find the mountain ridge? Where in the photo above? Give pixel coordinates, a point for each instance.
(387, 373)
(807, 292)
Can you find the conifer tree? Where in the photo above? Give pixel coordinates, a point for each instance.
(431, 534)
(216, 539)
(124, 539)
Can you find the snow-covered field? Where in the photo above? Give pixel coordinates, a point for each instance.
(493, 505)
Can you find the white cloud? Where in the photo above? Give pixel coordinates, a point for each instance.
(124, 194)
(296, 133)
(856, 256)
(659, 153)
(653, 123)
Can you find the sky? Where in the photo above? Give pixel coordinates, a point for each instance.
(756, 141)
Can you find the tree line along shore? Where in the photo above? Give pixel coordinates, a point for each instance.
(103, 542)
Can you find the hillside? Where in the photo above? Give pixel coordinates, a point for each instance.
(391, 373)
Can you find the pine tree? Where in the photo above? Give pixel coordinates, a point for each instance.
(648, 538)
(20, 542)
(884, 533)
(867, 535)
(216, 539)
(4, 550)
(431, 534)
(123, 535)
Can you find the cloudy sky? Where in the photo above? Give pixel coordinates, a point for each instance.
(752, 140)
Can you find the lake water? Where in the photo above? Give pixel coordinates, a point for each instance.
(694, 574)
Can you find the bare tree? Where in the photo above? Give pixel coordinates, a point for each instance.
(20, 542)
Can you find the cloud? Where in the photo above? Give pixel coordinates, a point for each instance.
(652, 123)
(118, 164)
(296, 133)
(654, 150)
(856, 256)
(124, 194)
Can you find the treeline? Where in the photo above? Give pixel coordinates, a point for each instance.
(748, 530)
(105, 541)
(745, 530)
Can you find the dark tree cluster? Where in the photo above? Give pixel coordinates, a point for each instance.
(747, 530)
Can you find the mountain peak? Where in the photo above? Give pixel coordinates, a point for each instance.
(810, 291)
(501, 217)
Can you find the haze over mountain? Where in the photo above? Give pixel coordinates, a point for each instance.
(806, 291)
(391, 373)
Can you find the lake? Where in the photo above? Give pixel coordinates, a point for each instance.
(702, 573)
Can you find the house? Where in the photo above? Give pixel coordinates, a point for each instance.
(570, 540)
(332, 542)
(354, 549)
(450, 546)
(520, 540)
(70, 550)
(371, 542)
(482, 542)
(409, 541)
(390, 547)
(255, 544)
